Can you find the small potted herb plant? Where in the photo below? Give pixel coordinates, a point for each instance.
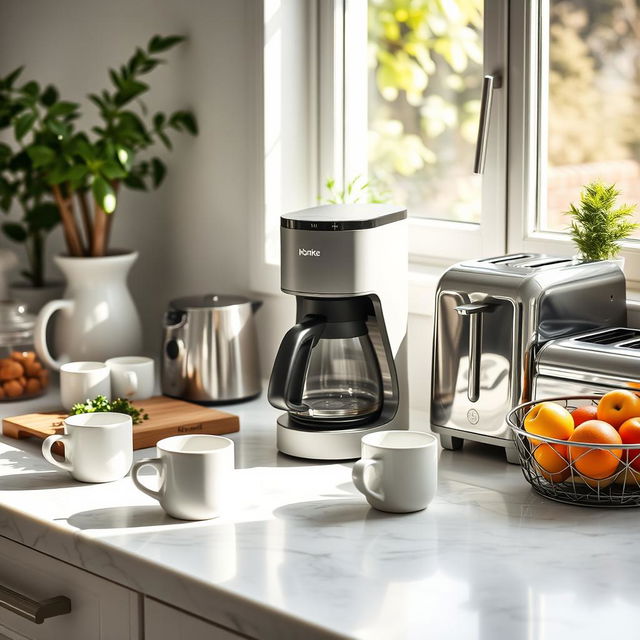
(598, 225)
(357, 191)
(60, 173)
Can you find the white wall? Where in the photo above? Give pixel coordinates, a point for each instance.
(192, 234)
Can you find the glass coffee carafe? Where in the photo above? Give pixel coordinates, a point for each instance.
(326, 373)
(342, 382)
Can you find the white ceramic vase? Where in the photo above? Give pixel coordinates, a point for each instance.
(97, 319)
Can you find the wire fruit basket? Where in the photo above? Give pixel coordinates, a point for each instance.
(558, 477)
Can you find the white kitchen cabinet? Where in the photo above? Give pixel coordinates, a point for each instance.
(100, 609)
(162, 622)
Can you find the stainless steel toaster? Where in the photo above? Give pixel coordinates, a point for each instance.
(210, 349)
(592, 362)
(492, 316)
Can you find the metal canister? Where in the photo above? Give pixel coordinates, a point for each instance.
(210, 349)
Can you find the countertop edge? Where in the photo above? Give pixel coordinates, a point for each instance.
(182, 591)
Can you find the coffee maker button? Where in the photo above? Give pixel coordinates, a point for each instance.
(172, 349)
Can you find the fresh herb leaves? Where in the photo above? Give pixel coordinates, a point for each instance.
(119, 405)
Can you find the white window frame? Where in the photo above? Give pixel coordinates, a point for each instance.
(286, 133)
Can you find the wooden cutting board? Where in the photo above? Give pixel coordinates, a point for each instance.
(167, 417)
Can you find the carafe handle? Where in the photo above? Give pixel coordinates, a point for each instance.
(287, 378)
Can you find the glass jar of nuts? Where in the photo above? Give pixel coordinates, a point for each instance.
(22, 375)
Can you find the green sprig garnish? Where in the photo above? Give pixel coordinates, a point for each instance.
(101, 405)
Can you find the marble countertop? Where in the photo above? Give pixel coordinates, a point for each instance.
(301, 554)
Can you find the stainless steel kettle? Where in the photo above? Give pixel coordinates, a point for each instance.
(210, 349)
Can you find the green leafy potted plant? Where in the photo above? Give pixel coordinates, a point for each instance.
(80, 173)
(21, 183)
(597, 225)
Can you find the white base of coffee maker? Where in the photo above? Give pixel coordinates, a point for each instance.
(341, 444)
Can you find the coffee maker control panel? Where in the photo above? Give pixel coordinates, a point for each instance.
(343, 249)
(344, 218)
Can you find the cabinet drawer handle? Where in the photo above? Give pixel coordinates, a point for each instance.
(34, 610)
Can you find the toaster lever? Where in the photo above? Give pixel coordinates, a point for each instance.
(474, 310)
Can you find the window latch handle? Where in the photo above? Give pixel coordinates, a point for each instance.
(489, 83)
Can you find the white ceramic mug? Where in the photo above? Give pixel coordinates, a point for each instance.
(398, 471)
(82, 381)
(195, 475)
(132, 377)
(98, 447)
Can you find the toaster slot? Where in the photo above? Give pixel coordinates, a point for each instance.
(513, 258)
(610, 336)
(632, 345)
(540, 263)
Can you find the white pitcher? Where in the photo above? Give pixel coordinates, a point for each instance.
(98, 318)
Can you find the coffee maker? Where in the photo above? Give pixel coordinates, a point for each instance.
(341, 370)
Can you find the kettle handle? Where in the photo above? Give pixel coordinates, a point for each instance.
(255, 305)
(287, 378)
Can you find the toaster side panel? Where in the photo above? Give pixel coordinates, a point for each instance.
(452, 404)
(573, 306)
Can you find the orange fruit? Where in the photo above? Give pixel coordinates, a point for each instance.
(630, 433)
(582, 414)
(618, 406)
(548, 420)
(552, 461)
(596, 484)
(595, 463)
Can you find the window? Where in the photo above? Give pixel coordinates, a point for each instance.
(413, 80)
(571, 71)
(574, 98)
(391, 89)
(592, 51)
(424, 83)
(590, 82)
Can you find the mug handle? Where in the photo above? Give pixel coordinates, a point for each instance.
(358, 476)
(48, 456)
(156, 463)
(132, 381)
